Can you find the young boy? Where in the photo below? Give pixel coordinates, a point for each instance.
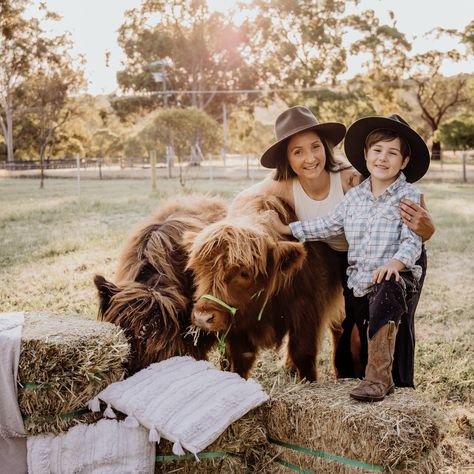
(382, 249)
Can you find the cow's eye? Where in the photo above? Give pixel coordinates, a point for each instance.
(244, 274)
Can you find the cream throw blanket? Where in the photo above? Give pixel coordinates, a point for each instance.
(12, 433)
(106, 447)
(186, 401)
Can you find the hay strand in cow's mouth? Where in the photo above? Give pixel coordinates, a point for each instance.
(194, 332)
(64, 362)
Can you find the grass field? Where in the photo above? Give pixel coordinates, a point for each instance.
(51, 247)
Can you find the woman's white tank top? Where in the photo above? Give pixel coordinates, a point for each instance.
(307, 208)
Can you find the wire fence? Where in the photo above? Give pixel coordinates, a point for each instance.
(453, 166)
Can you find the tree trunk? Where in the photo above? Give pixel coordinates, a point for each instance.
(42, 150)
(436, 151)
(9, 137)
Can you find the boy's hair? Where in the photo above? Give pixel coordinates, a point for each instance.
(283, 169)
(386, 135)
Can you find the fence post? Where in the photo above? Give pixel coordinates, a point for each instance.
(248, 166)
(153, 169)
(78, 162)
(169, 159)
(211, 168)
(464, 170)
(100, 168)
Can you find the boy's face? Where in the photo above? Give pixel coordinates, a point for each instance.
(384, 160)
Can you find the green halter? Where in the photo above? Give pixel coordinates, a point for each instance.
(232, 310)
(229, 308)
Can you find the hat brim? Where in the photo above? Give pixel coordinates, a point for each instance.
(332, 132)
(354, 145)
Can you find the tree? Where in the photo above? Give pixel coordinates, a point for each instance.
(46, 93)
(180, 128)
(248, 135)
(467, 37)
(297, 44)
(458, 133)
(346, 104)
(437, 96)
(17, 47)
(386, 50)
(24, 46)
(203, 52)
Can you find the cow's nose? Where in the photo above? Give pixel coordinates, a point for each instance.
(210, 319)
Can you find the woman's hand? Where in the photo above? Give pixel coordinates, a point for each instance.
(389, 269)
(274, 220)
(417, 218)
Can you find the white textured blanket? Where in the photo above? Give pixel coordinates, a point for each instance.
(186, 401)
(106, 447)
(12, 433)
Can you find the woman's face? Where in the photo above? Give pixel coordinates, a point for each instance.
(306, 154)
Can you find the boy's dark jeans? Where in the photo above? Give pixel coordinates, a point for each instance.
(390, 301)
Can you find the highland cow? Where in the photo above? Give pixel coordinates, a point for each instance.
(254, 287)
(152, 297)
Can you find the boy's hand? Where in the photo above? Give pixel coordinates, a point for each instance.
(274, 220)
(389, 269)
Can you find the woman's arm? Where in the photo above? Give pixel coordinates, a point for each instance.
(267, 187)
(417, 218)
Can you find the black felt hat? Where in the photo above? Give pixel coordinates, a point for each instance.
(357, 133)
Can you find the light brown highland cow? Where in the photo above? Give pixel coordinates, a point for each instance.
(254, 287)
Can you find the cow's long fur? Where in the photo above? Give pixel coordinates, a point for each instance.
(298, 285)
(152, 297)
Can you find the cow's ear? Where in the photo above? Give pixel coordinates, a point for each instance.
(289, 257)
(106, 291)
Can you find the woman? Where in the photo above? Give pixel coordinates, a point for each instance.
(309, 178)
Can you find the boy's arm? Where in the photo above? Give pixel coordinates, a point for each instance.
(321, 227)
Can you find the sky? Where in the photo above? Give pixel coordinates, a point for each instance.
(93, 25)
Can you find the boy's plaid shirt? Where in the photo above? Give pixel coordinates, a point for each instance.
(374, 230)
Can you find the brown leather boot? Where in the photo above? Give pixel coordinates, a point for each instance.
(378, 380)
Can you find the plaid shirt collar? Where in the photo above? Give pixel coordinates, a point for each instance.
(366, 187)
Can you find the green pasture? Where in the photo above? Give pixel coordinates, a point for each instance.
(51, 247)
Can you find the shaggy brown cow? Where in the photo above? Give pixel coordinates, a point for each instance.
(254, 287)
(152, 298)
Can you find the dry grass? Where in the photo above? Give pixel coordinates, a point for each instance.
(403, 432)
(64, 362)
(50, 250)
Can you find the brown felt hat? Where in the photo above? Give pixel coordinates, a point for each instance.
(294, 120)
(357, 133)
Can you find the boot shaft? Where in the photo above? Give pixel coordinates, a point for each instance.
(381, 350)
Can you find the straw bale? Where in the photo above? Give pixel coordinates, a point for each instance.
(64, 362)
(404, 431)
(245, 443)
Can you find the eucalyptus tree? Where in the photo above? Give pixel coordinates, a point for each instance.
(438, 97)
(31, 61)
(298, 44)
(188, 47)
(179, 127)
(18, 49)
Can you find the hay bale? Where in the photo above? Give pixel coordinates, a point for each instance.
(243, 447)
(404, 431)
(64, 362)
